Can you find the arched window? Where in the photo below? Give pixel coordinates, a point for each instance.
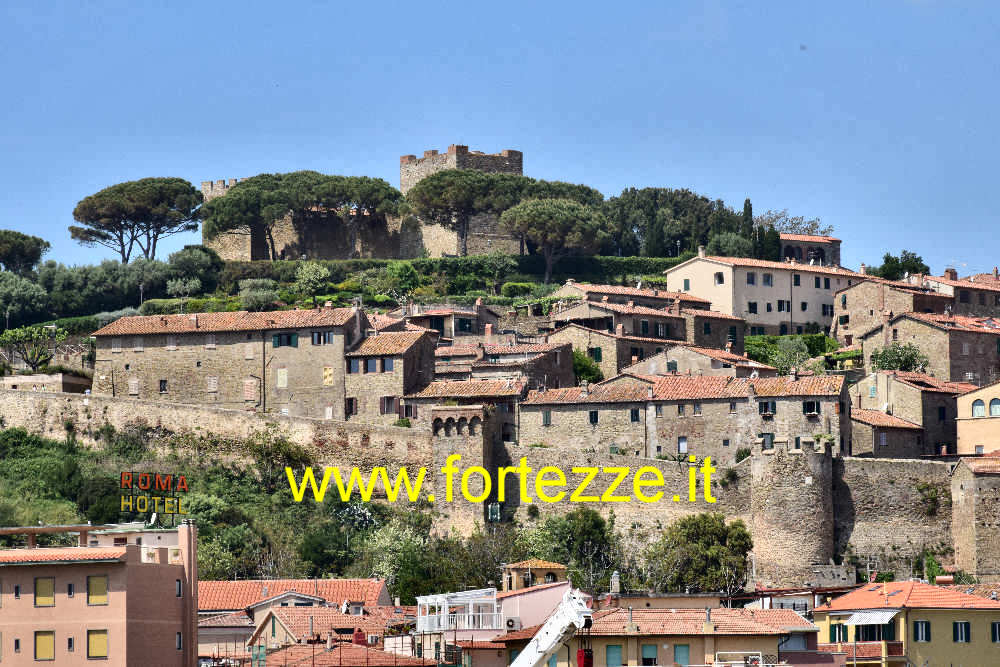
(550, 577)
(978, 409)
(995, 407)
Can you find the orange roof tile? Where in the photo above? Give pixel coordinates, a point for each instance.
(809, 238)
(60, 555)
(385, 322)
(623, 308)
(235, 321)
(536, 562)
(788, 266)
(341, 655)
(990, 285)
(470, 389)
(988, 325)
(237, 619)
(525, 348)
(882, 420)
(728, 357)
(984, 465)
(388, 342)
(925, 382)
(649, 293)
(710, 314)
(233, 595)
(988, 591)
(906, 595)
(609, 334)
(297, 620)
(456, 350)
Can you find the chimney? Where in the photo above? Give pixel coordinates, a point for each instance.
(395, 600)
(583, 388)
(616, 582)
(863, 270)
(328, 305)
(729, 346)
(996, 273)
(793, 372)
(329, 640)
(675, 307)
(620, 329)
(194, 320)
(631, 304)
(488, 333)
(310, 627)
(701, 251)
(604, 298)
(649, 392)
(709, 627)
(951, 273)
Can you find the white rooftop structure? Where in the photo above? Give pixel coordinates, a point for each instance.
(468, 610)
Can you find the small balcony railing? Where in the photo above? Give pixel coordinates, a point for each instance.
(477, 621)
(862, 650)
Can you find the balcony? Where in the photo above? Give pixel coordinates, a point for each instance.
(466, 610)
(462, 621)
(865, 651)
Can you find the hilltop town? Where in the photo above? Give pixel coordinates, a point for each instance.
(848, 420)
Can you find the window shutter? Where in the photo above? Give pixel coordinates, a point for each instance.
(399, 408)
(954, 631)
(833, 633)
(927, 629)
(294, 340)
(275, 340)
(805, 407)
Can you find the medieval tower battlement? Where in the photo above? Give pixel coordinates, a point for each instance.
(413, 169)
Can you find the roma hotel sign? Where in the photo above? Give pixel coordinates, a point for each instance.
(153, 492)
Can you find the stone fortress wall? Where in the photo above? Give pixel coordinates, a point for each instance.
(804, 508)
(323, 235)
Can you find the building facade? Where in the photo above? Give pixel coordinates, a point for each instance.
(977, 420)
(867, 304)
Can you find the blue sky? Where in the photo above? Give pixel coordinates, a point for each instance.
(877, 117)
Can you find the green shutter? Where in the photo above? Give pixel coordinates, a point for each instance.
(275, 340)
(889, 631)
(295, 340)
(833, 633)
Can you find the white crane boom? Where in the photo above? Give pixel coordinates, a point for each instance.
(571, 615)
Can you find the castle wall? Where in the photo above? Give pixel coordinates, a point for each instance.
(976, 523)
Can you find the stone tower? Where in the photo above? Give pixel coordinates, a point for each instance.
(791, 503)
(413, 169)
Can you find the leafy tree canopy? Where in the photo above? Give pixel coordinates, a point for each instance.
(311, 278)
(21, 253)
(899, 357)
(556, 226)
(730, 244)
(136, 213)
(701, 553)
(895, 268)
(585, 368)
(35, 345)
(792, 224)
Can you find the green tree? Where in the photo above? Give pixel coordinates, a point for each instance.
(586, 543)
(272, 453)
(792, 224)
(790, 352)
(136, 213)
(450, 198)
(21, 253)
(183, 288)
(35, 345)
(899, 357)
(258, 293)
(894, 268)
(585, 368)
(700, 553)
(311, 278)
(746, 224)
(729, 244)
(197, 261)
(555, 226)
(21, 300)
(498, 266)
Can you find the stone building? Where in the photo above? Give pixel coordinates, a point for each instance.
(384, 368)
(502, 395)
(610, 351)
(773, 297)
(626, 318)
(532, 572)
(976, 505)
(64, 382)
(918, 414)
(289, 361)
(641, 296)
(452, 322)
(676, 415)
(538, 364)
(811, 249)
(978, 420)
(867, 304)
(958, 347)
(975, 297)
(710, 328)
(694, 360)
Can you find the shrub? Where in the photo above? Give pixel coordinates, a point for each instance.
(403, 422)
(258, 293)
(516, 289)
(742, 453)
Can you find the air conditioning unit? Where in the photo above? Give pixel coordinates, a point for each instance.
(514, 623)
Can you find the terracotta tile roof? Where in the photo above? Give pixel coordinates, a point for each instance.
(456, 350)
(984, 465)
(385, 322)
(235, 321)
(237, 619)
(925, 382)
(532, 589)
(388, 342)
(785, 619)
(233, 595)
(988, 325)
(610, 334)
(682, 622)
(470, 389)
(983, 278)
(296, 619)
(60, 555)
(906, 595)
(729, 357)
(452, 367)
(988, 591)
(881, 419)
(526, 348)
(624, 309)
(474, 645)
(341, 655)
(443, 311)
(649, 293)
(990, 286)
(689, 387)
(788, 266)
(710, 314)
(536, 562)
(808, 238)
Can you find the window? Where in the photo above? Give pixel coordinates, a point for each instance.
(994, 632)
(769, 307)
(961, 632)
(327, 376)
(687, 284)
(116, 345)
(644, 327)
(697, 409)
(783, 329)
(805, 306)
(388, 405)
(816, 282)
(978, 408)
(97, 643)
(281, 375)
(285, 340)
(921, 631)
(137, 344)
(389, 364)
(463, 324)
(963, 296)
(752, 307)
(17, 591)
(322, 337)
(872, 391)
(353, 366)
(838, 633)
(45, 591)
(768, 280)
(594, 353)
(682, 654)
(613, 655)
(163, 386)
(179, 641)
(210, 341)
(45, 645)
(680, 409)
(706, 328)
(731, 336)
(725, 442)
(881, 439)
(671, 366)
(798, 442)
(751, 278)
(69, 644)
(827, 310)
(659, 410)
(982, 298)
(97, 589)
(995, 407)
(212, 384)
(843, 320)
(682, 444)
(350, 406)
(826, 283)
(593, 416)
(546, 418)
(178, 591)
(70, 590)
(371, 365)
(843, 301)
(810, 407)
(732, 407)
(719, 278)
(17, 646)
(767, 440)
(133, 386)
(796, 279)
(661, 330)
(767, 407)
(633, 415)
(648, 654)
